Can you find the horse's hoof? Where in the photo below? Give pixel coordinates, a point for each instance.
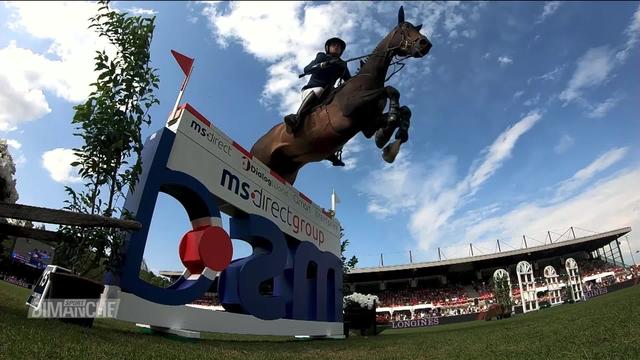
(391, 151)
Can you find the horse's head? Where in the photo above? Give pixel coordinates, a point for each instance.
(407, 39)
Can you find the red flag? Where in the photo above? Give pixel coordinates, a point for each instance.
(184, 62)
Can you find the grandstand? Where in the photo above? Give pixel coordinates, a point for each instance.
(462, 286)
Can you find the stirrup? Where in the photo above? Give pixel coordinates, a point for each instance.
(336, 158)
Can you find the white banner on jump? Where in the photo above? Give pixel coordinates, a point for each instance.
(228, 171)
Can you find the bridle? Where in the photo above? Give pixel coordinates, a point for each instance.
(405, 45)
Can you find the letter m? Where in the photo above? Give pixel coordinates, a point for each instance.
(195, 126)
(317, 284)
(231, 181)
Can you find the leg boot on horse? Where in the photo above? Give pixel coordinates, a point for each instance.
(295, 122)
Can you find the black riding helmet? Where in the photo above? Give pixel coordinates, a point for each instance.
(335, 40)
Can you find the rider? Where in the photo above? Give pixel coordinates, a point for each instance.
(325, 69)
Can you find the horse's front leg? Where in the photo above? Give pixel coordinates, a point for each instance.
(394, 104)
(390, 118)
(390, 151)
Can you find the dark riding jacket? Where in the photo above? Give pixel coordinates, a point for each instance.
(327, 76)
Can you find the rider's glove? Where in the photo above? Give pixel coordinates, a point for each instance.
(330, 62)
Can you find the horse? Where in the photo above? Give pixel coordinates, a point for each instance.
(356, 105)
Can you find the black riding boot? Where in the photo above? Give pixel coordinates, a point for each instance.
(296, 121)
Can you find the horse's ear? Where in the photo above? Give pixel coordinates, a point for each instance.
(401, 15)
(418, 27)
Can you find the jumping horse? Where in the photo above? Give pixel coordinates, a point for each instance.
(357, 105)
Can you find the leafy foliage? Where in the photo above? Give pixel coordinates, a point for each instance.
(346, 264)
(8, 193)
(110, 124)
(152, 279)
(502, 291)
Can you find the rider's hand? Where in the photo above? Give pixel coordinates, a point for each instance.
(330, 62)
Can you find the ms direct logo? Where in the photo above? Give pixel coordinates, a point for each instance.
(306, 283)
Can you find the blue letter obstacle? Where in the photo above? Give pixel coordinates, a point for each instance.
(295, 243)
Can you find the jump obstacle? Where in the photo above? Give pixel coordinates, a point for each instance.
(295, 242)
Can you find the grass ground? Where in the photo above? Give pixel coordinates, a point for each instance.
(605, 327)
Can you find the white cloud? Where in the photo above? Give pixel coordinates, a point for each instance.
(518, 94)
(430, 191)
(532, 101)
(469, 34)
(141, 12)
(350, 153)
(14, 144)
(500, 150)
(505, 60)
(600, 110)
(20, 160)
(65, 70)
(58, 163)
(550, 7)
(593, 69)
(566, 141)
(612, 203)
(486, 55)
(550, 76)
(632, 32)
(392, 188)
(21, 99)
(600, 164)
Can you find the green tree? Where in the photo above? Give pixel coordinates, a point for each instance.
(152, 279)
(8, 192)
(347, 265)
(110, 124)
(502, 291)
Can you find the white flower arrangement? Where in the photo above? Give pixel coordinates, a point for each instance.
(365, 301)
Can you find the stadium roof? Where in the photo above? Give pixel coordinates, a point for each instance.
(500, 259)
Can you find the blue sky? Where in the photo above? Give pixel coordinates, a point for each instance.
(525, 115)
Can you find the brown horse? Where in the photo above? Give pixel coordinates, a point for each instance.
(357, 105)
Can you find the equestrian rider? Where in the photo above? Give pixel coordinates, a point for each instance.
(325, 70)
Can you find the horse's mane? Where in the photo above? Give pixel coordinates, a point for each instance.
(378, 48)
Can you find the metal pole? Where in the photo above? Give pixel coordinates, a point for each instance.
(613, 257)
(550, 241)
(630, 252)
(525, 241)
(182, 89)
(471, 247)
(620, 252)
(574, 233)
(439, 255)
(499, 250)
(410, 257)
(381, 260)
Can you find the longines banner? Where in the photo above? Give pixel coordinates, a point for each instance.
(405, 324)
